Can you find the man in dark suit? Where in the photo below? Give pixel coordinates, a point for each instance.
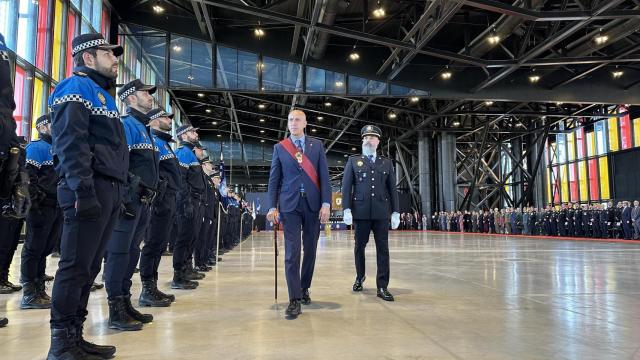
(299, 185)
(626, 221)
(371, 206)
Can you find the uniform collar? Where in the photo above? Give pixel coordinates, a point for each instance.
(102, 81)
(162, 135)
(138, 115)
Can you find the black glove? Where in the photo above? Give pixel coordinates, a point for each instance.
(162, 187)
(88, 207)
(128, 211)
(188, 210)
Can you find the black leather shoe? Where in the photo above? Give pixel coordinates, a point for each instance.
(3, 322)
(101, 351)
(64, 346)
(357, 285)
(42, 290)
(96, 286)
(143, 318)
(180, 282)
(203, 268)
(7, 287)
(32, 299)
(47, 277)
(385, 295)
(306, 299)
(191, 274)
(294, 309)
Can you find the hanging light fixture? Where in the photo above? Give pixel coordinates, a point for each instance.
(379, 12)
(446, 74)
(354, 56)
(493, 37)
(601, 38)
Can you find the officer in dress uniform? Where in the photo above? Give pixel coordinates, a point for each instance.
(164, 207)
(189, 209)
(299, 187)
(91, 159)
(370, 198)
(562, 221)
(201, 253)
(14, 192)
(216, 181)
(44, 221)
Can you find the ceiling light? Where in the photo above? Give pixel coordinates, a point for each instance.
(327, 104)
(262, 140)
(190, 77)
(158, 9)
(617, 74)
(200, 95)
(261, 66)
(177, 48)
(493, 38)
(392, 115)
(354, 56)
(320, 118)
(414, 99)
(314, 130)
(261, 131)
(208, 111)
(353, 149)
(488, 103)
(534, 78)
(219, 135)
(261, 106)
(345, 155)
(339, 83)
(446, 74)
(214, 123)
(379, 12)
(558, 103)
(258, 32)
(601, 39)
(262, 120)
(456, 123)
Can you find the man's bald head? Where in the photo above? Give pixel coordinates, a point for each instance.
(296, 122)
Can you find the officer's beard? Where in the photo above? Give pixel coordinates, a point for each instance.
(368, 149)
(46, 137)
(164, 127)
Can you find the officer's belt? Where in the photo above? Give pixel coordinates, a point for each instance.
(305, 164)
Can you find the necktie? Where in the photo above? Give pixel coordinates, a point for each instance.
(371, 158)
(299, 146)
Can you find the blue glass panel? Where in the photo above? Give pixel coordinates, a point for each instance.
(357, 85)
(191, 63)
(376, 88)
(227, 68)
(280, 75)
(315, 80)
(247, 70)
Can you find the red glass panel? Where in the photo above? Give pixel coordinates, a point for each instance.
(593, 179)
(106, 23)
(580, 142)
(625, 129)
(573, 182)
(556, 185)
(43, 29)
(71, 33)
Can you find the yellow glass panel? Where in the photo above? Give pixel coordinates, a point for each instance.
(591, 144)
(57, 41)
(37, 106)
(604, 178)
(571, 144)
(564, 180)
(582, 180)
(548, 186)
(613, 134)
(636, 132)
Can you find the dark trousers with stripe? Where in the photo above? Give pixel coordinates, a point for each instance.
(380, 229)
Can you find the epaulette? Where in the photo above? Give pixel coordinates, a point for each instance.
(79, 73)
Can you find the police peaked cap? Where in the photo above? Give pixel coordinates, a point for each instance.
(371, 130)
(131, 87)
(90, 41)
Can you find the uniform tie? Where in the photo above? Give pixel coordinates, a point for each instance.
(299, 146)
(371, 158)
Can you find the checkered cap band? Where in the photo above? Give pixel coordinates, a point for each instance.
(127, 92)
(88, 45)
(158, 115)
(189, 128)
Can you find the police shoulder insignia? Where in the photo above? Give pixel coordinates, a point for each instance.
(360, 163)
(103, 101)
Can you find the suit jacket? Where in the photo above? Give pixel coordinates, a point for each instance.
(369, 189)
(626, 214)
(286, 177)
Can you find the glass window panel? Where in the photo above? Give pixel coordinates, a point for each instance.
(614, 142)
(377, 88)
(315, 80)
(96, 15)
(590, 144)
(593, 179)
(562, 149)
(18, 97)
(573, 182)
(564, 179)
(86, 8)
(280, 75)
(247, 70)
(334, 82)
(601, 137)
(85, 27)
(357, 85)
(57, 48)
(571, 146)
(625, 129)
(106, 23)
(76, 3)
(582, 178)
(8, 23)
(580, 143)
(42, 55)
(549, 185)
(71, 33)
(39, 105)
(636, 132)
(604, 178)
(191, 63)
(227, 68)
(556, 185)
(27, 25)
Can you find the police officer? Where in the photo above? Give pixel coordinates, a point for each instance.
(164, 207)
(562, 221)
(218, 188)
(189, 209)
(14, 193)
(369, 198)
(201, 254)
(91, 158)
(44, 221)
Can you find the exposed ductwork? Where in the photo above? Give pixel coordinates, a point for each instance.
(328, 13)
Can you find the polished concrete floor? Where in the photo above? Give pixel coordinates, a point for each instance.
(457, 297)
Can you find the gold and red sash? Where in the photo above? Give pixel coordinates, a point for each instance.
(303, 160)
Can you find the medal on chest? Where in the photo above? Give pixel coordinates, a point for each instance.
(299, 157)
